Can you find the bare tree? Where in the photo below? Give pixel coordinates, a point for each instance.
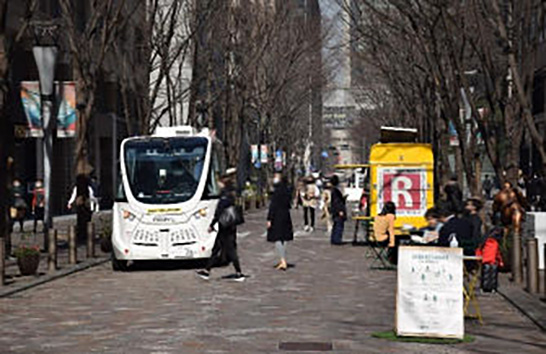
(263, 56)
(440, 57)
(90, 41)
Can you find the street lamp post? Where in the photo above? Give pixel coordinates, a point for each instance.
(45, 55)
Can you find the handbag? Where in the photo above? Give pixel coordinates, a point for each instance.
(13, 212)
(231, 216)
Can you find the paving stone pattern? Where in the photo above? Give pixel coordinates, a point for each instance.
(330, 296)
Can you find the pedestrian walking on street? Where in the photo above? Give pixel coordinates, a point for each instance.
(326, 202)
(487, 187)
(279, 223)
(226, 239)
(38, 203)
(82, 197)
(339, 212)
(18, 205)
(310, 203)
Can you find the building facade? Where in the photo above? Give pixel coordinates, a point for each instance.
(107, 127)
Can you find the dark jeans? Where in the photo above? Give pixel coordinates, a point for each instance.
(38, 215)
(83, 216)
(13, 221)
(337, 231)
(225, 243)
(311, 212)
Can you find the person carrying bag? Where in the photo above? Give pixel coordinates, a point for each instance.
(228, 216)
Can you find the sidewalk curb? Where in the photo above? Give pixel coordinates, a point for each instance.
(526, 308)
(48, 278)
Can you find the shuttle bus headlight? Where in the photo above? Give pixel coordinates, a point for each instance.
(127, 215)
(201, 213)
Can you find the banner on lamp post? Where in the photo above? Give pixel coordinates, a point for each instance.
(263, 153)
(65, 93)
(254, 154)
(278, 160)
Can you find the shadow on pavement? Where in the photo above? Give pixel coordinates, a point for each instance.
(141, 266)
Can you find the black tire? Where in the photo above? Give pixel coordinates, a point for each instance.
(119, 265)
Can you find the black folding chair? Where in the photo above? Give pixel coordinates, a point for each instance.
(378, 252)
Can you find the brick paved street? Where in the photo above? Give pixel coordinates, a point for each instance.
(330, 296)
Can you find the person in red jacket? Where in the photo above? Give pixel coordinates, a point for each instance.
(38, 203)
(490, 250)
(491, 260)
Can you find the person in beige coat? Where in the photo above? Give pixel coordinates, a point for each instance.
(310, 203)
(326, 197)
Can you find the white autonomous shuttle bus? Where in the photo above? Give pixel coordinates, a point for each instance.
(167, 196)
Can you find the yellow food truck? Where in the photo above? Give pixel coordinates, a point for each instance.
(400, 171)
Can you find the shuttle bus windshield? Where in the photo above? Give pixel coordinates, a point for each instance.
(165, 170)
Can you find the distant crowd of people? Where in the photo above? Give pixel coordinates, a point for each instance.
(28, 202)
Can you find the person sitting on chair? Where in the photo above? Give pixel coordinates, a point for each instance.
(431, 232)
(383, 232)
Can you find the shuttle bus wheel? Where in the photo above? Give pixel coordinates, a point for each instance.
(119, 265)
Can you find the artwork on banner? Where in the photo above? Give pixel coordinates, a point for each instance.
(65, 92)
(429, 299)
(263, 153)
(406, 187)
(278, 160)
(254, 153)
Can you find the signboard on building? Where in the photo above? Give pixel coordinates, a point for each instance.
(339, 117)
(65, 92)
(406, 187)
(429, 299)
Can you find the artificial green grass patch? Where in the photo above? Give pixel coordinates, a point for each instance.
(390, 335)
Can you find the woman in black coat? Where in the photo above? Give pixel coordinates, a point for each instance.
(279, 222)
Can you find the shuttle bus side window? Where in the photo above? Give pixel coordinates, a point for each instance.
(121, 197)
(212, 190)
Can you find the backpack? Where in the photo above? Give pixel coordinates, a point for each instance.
(489, 278)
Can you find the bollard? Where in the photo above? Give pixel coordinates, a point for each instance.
(90, 239)
(516, 258)
(72, 246)
(532, 265)
(52, 250)
(544, 271)
(2, 260)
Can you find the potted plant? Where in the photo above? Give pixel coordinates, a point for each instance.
(28, 259)
(106, 238)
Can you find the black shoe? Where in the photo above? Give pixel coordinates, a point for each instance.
(203, 274)
(238, 277)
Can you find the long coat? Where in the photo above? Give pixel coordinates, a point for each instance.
(279, 215)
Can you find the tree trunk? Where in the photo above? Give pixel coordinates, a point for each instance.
(4, 126)
(82, 145)
(476, 189)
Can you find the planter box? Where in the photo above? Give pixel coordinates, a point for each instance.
(28, 265)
